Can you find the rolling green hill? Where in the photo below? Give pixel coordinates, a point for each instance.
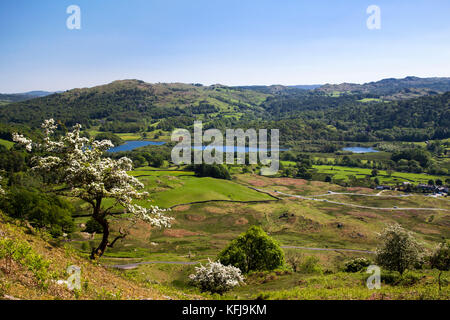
(130, 101)
(133, 106)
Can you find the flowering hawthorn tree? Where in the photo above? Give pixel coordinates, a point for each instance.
(399, 250)
(216, 278)
(77, 163)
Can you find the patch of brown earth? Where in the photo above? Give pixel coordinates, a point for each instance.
(398, 214)
(179, 233)
(362, 214)
(241, 221)
(289, 182)
(138, 230)
(195, 217)
(215, 210)
(306, 224)
(182, 208)
(426, 230)
(258, 183)
(360, 189)
(292, 220)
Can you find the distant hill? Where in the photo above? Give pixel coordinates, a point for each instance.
(6, 98)
(307, 86)
(133, 101)
(276, 88)
(393, 89)
(418, 113)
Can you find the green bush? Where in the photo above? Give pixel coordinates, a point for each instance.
(390, 277)
(356, 265)
(410, 278)
(22, 253)
(218, 171)
(41, 210)
(253, 250)
(395, 278)
(310, 265)
(93, 226)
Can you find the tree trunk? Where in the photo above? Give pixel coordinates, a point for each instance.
(100, 218)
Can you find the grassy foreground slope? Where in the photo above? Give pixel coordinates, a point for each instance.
(38, 264)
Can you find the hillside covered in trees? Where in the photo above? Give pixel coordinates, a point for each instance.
(351, 115)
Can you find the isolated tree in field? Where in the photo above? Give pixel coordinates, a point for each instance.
(399, 250)
(374, 173)
(77, 166)
(253, 250)
(294, 260)
(440, 259)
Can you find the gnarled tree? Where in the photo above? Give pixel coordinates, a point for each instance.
(78, 166)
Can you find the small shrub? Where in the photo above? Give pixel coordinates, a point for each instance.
(22, 253)
(294, 260)
(93, 226)
(105, 294)
(395, 278)
(356, 265)
(388, 277)
(310, 265)
(216, 278)
(84, 246)
(410, 278)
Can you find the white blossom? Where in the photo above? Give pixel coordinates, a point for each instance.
(20, 139)
(216, 278)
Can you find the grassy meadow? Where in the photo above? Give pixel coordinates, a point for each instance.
(343, 173)
(201, 230)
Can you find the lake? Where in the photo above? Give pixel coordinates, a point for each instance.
(131, 145)
(237, 149)
(360, 149)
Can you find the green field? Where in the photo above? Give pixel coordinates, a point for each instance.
(172, 188)
(168, 188)
(370, 100)
(343, 173)
(6, 143)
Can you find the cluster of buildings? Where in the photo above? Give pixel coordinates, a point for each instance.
(424, 188)
(437, 190)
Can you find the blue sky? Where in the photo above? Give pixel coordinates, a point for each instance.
(233, 42)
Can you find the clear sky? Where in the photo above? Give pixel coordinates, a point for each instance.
(232, 42)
